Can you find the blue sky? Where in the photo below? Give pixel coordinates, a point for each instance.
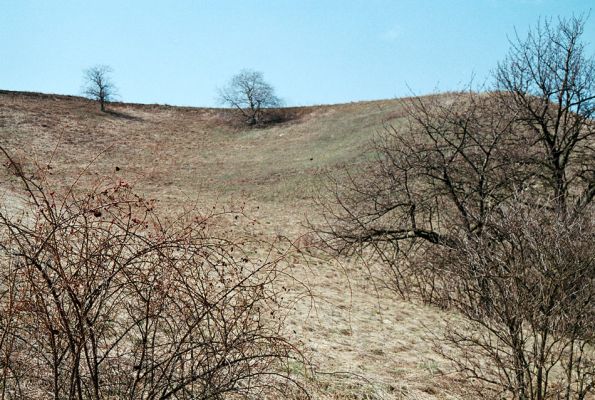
(312, 51)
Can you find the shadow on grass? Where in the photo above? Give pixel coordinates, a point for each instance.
(122, 115)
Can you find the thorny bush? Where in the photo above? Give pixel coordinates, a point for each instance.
(100, 297)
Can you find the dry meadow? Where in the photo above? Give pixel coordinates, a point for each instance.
(360, 340)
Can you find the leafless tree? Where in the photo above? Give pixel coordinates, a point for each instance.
(434, 183)
(98, 84)
(482, 203)
(250, 95)
(100, 297)
(548, 82)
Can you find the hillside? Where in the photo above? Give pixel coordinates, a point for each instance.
(364, 343)
(205, 151)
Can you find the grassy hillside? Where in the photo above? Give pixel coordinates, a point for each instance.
(193, 149)
(364, 343)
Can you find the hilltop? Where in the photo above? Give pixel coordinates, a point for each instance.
(196, 150)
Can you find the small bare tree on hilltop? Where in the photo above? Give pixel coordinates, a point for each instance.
(98, 84)
(250, 95)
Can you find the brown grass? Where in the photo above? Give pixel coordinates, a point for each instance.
(363, 342)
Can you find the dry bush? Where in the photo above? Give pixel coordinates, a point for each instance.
(100, 297)
(526, 291)
(434, 183)
(452, 207)
(482, 204)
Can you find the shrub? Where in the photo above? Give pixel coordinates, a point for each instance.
(101, 297)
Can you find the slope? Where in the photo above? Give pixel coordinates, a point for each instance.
(363, 342)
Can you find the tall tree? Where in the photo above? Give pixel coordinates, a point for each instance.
(548, 82)
(482, 203)
(459, 157)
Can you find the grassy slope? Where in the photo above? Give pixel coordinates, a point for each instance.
(184, 154)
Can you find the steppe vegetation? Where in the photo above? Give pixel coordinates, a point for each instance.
(196, 159)
(436, 247)
(482, 205)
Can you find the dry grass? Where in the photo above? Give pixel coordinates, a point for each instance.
(363, 342)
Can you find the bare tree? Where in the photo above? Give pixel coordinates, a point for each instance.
(100, 297)
(98, 84)
(250, 95)
(548, 82)
(482, 203)
(434, 183)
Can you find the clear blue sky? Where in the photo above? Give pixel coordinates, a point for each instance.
(312, 51)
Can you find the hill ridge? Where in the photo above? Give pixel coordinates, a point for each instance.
(57, 96)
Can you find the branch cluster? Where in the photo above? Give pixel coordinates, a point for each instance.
(250, 95)
(482, 203)
(102, 298)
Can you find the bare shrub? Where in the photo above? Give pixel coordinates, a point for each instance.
(526, 291)
(453, 208)
(434, 183)
(100, 297)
